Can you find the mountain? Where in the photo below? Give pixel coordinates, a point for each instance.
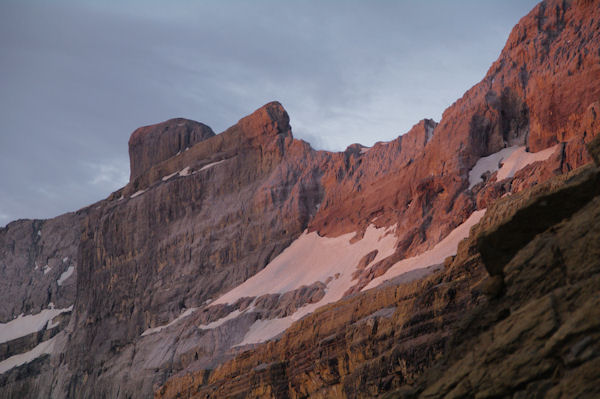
(458, 258)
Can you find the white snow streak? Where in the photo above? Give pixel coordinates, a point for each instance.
(25, 325)
(46, 347)
(174, 321)
(210, 165)
(263, 330)
(222, 320)
(491, 163)
(63, 277)
(434, 256)
(137, 193)
(185, 172)
(165, 178)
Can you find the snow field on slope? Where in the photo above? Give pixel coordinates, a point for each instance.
(491, 163)
(46, 347)
(312, 258)
(263, 330)
(434, 256)
(521, 158)
(65, 275)
(308, 259)
(513, 159)
(25, 325)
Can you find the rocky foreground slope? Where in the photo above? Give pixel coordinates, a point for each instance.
(247, 264)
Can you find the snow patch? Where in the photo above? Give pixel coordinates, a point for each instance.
(364, 150)
(312, 258)
(174, 321)
(137, 193)
(45, 348)
(491, 163)
(521, 158)
(47, 269)
(512, 160)
(309, 259)
(263, 330)
(436, 255)
(222, 320)
(65, 259)
(25, 325)
(185, 171)
(210, 165)
(165, 178)
(66, 274)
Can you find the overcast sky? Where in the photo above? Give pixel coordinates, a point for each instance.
(78, 77)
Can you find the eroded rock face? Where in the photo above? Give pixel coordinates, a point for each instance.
(184, 240)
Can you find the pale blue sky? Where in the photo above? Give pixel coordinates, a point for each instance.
(79, 76)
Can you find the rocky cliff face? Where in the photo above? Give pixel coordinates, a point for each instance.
(203, 227)
(519, 338)
(221, 242)
(38, 275)
(34, 254)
